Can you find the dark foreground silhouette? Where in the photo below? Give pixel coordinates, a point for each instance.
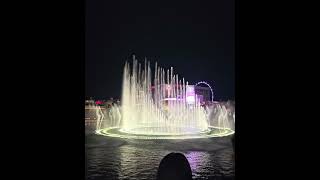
(174, 166)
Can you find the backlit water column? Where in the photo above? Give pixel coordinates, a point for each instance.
(162, 110)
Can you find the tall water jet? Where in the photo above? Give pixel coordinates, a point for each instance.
(157, 107)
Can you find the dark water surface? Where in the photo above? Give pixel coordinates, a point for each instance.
(112, 158)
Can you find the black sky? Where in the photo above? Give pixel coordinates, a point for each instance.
(196, 39)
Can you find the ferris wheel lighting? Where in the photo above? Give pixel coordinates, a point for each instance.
(203, 82)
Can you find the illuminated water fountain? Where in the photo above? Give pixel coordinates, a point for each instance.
(160, 108)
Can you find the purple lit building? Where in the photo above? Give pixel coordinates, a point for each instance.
(194, 93)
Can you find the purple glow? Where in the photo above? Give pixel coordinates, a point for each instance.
(200, 98)
(190, 93)
(197, 160)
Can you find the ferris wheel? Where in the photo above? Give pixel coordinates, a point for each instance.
(207, 84)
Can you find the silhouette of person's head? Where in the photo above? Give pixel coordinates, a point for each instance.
(174, 166)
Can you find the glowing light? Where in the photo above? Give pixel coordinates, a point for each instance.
(170, 99)
(99, 102)
(211, 133)
(190, 99)
(190, 94)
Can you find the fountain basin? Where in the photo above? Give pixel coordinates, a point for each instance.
(209, 133)
(158, 130)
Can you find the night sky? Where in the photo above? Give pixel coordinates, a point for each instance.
(197, 40)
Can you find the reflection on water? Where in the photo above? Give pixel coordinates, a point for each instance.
(139, 163)
(198, 160)
(109, 158)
